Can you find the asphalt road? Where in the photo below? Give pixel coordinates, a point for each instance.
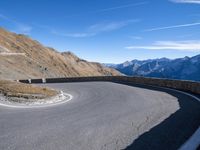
(102, 115)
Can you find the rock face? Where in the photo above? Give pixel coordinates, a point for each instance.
(187, 68)
(22, 57)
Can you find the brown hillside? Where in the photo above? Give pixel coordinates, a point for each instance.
(22, 57)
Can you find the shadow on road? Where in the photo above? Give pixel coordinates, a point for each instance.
(173, 131)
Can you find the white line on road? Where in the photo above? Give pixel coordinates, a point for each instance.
(40, 105)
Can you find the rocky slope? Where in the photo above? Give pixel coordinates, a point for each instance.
(21, 58)
(187, 68)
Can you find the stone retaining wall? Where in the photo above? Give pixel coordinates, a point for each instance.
(188, 86)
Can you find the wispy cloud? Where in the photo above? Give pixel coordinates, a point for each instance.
(106, 27)
(96, 29)
(17, 27)
(186, 1)
(45, 27)
(110, 9)
(136, 37)
(122, 6)
(174, 26)
(73, 35)
(23, 28)
(2, 16)
(195, 15)
(191, 45)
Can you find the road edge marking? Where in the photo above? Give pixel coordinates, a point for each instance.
(39, 105)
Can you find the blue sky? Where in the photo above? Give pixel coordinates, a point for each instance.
(108, 31)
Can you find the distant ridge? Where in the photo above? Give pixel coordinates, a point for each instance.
(21, 57)
(187, 68)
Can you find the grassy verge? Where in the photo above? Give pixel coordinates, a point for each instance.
(20, 90)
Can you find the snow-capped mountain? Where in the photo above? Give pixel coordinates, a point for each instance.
(187, 68)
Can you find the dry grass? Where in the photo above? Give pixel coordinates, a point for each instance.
(15, 89)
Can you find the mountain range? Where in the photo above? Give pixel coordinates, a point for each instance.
(22, 58)
(187, 68)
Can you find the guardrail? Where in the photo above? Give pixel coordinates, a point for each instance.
(188, 86)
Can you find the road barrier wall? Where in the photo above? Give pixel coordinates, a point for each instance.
(188, 86)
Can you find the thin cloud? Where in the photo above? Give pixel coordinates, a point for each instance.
(23, 29)
(192, 46)
(110, 9)
(195, 15)
(73, 35)
(106, 27)
(174, 26)
(17, 26)
(3, 17)
(45, 27)
(186, 1)
(96, 29)
(120, 7)
(59, 33)
(136, 37)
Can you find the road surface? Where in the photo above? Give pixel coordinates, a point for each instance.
(102, 115)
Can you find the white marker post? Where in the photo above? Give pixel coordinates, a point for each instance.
(43, 80)
(29, 81)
